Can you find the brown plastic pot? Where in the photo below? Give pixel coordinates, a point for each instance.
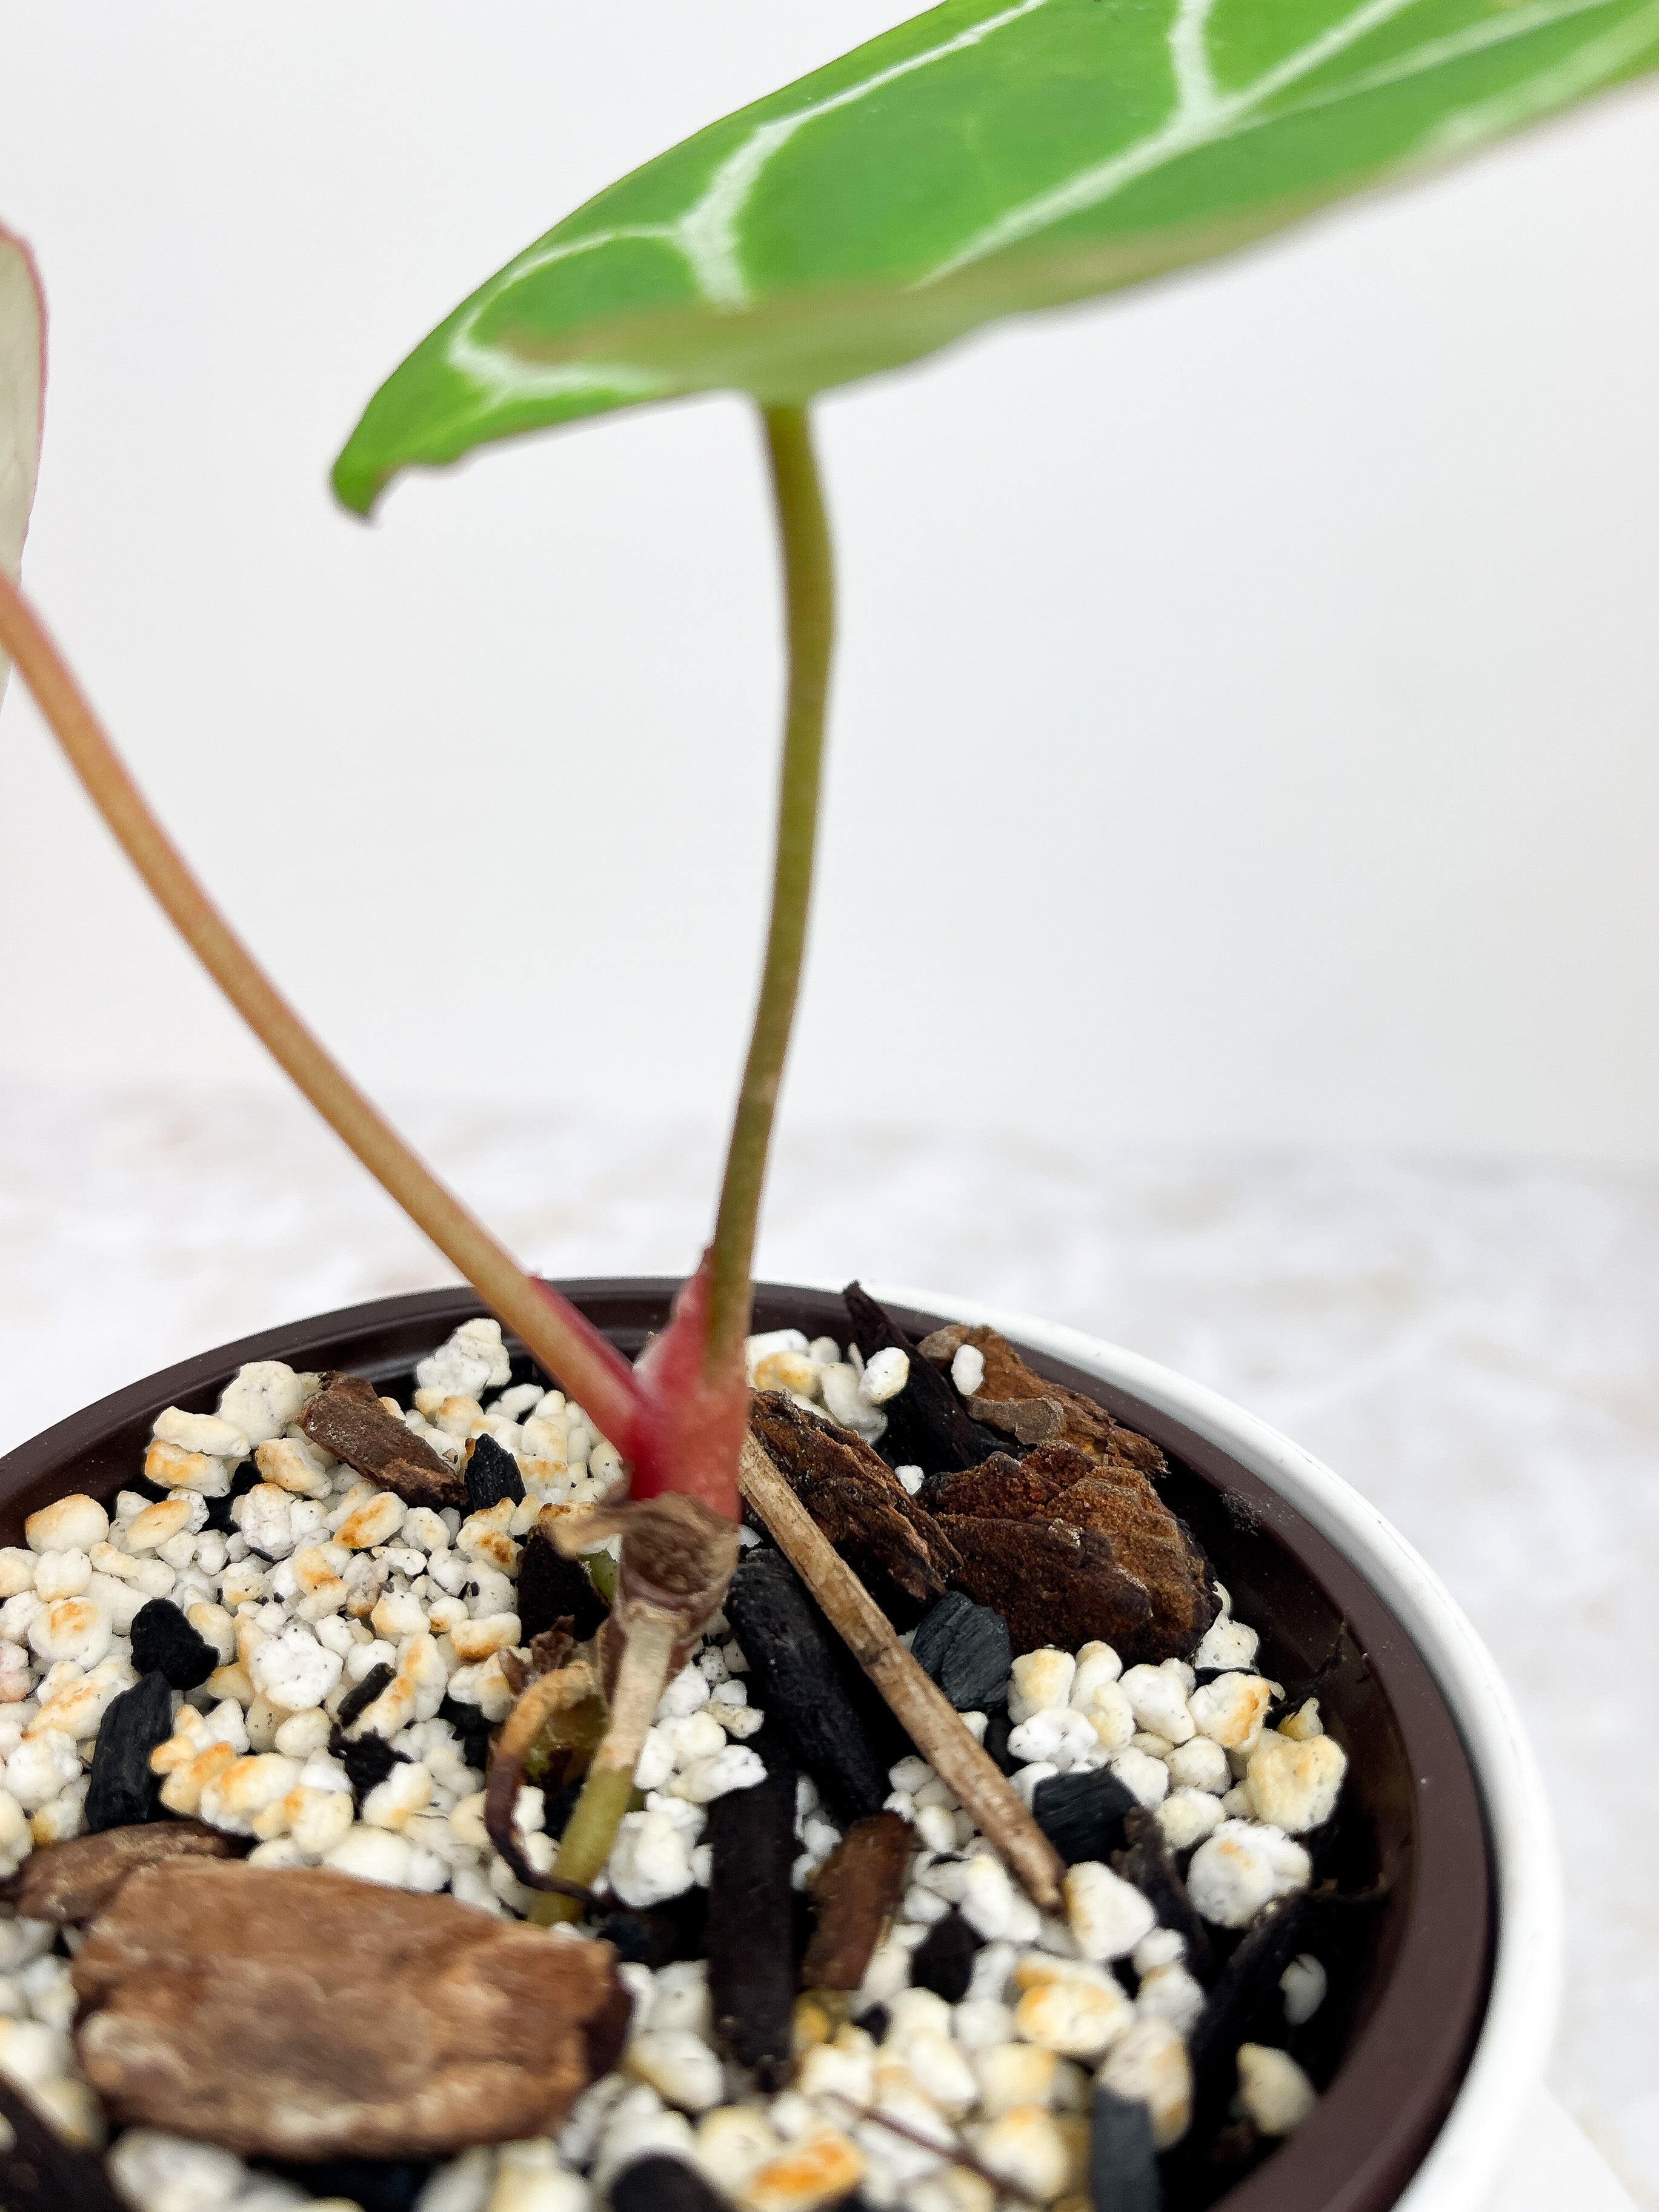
(1408, 1995)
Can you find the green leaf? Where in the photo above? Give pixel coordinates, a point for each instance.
(22, 392)
(988, 157)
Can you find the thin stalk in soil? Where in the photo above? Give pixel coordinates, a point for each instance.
(810, 627)
(809, 605)
(608, 1789)
(562, 1340)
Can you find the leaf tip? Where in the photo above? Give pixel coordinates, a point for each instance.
(357, 482)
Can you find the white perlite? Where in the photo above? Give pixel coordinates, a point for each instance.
(885, 1374)
(1149, 2064)
(1240, 1868)
(1292, 1785)
(1107, 1914)
(1272, 2089)
(1303, 1984)
(968, 1368)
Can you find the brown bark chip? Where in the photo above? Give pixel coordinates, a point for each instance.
(1013, 1398)
(69, 1882)
(1060, 1482)
(856, 1890)
(1003, 1488)
(301, 2014)
(1152, 1545)
(1053, 1584)
(347, 1418)
(856, 1499)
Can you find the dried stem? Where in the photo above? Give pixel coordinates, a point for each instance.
(809, 593)
(566, 1701)
(587, 1841)
(676, 1560)
(563, 1340)
(932, 1722)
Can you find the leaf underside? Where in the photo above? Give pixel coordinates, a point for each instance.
(986, 158)
(22, 385)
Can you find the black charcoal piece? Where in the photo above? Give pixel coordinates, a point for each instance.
(793, 1657)
(1082, 1815)
(492, 1473)
(1145, 1861)
(927, 1424)
(804, 1928)
(559, 1805)
(633, 1939)
(750, 1928)
(368, 1760)
(1247, 1997)
(472, 1731)
(552, 1589)
(656, 1938)
(122, 1790)
(375, 2184)
(1318, 1684)
(357, 1702)
(164, 1642)
(1246, 2005)
(1342, 1933)
(219, 1514)
(965, 1647)
(1122, 2163)
(684, 1920)
(39, 2172)
(658, 2183)
(944, 1960)
(998, 1730)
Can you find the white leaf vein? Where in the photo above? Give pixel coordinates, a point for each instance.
(1436, 53)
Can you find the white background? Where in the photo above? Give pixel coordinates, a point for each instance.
(1247, 714)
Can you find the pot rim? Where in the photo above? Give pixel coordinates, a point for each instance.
(1460, 2166)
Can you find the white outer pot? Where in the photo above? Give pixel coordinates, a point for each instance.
(1464, 2169)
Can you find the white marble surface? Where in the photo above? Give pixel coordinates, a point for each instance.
(1475, 1346)
(1552, 2165)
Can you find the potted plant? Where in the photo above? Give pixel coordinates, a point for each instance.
(977, 161)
